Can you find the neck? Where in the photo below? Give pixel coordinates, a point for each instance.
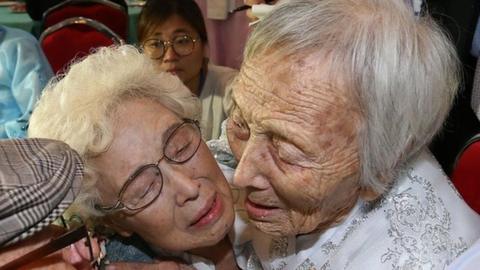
(220, 254)
(194, 85)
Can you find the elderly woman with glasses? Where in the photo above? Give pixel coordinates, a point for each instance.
(172, 32)
(148, 172)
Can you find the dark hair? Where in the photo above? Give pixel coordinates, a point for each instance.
(158, 11)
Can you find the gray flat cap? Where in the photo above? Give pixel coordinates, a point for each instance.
(39, 179)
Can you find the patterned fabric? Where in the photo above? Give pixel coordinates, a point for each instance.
(421, 223)
(39, 179)
(470, 260)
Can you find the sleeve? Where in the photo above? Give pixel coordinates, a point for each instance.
(30, 71)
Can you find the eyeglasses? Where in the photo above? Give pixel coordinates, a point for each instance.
(66, 239)
(181, 45)
(146, 183)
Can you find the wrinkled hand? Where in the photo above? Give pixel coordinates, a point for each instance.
(164, 265)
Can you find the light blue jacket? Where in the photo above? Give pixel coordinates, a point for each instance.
(24, 71)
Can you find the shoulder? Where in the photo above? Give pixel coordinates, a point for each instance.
(221, 69)
(12, 39)
(16, 35)
(220, 75)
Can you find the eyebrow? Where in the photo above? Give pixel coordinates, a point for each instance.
(177, 31)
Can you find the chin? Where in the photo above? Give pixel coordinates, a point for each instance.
(281, 228)
(215, 235)
(220, 230)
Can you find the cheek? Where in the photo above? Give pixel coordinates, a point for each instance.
(301, 188)
(159, 66)
(193, 62)
(158, 218)
(157, 228)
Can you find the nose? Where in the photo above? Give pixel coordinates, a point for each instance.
(252, 167)
(185, 187)
(170, 54)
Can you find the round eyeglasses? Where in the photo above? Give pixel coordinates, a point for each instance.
(182, 45)
(146, 183)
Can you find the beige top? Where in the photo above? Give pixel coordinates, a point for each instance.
(215, 99)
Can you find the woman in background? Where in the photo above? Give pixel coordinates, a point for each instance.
(173, 33)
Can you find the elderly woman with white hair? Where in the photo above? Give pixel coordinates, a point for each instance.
(147, 171)
(332, 142)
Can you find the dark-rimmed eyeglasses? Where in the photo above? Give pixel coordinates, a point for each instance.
(70, 237)
(144, 185)
(156, 48)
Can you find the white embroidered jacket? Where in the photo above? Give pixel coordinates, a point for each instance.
(421, 223)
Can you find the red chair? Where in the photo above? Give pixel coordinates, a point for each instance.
(73, 38)
(110, 14)
(466, 173)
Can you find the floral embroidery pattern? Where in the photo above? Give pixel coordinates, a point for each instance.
(410, 227)
(278, 249)
(420, 230)
(309, 265)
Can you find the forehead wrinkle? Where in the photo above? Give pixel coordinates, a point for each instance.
(293, 99)
(249, 94)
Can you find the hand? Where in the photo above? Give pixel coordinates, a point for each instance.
(78, 254)
(75, 256)
(164, 265)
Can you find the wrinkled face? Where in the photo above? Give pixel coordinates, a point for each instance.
(188, 67)
(295, 134)
(194, 208)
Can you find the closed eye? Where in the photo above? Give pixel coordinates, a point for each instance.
(288, 152)
(239, 127)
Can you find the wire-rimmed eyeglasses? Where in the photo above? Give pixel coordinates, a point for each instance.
(146, 183)
(182, 45)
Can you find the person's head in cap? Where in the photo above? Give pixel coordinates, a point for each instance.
(39, 180)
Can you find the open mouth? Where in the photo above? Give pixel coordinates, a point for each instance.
(259, 211)
(209, 214)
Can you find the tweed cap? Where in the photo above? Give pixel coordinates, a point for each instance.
(39, 179)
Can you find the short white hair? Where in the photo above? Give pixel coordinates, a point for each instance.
(402, 70)
(77, 107)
